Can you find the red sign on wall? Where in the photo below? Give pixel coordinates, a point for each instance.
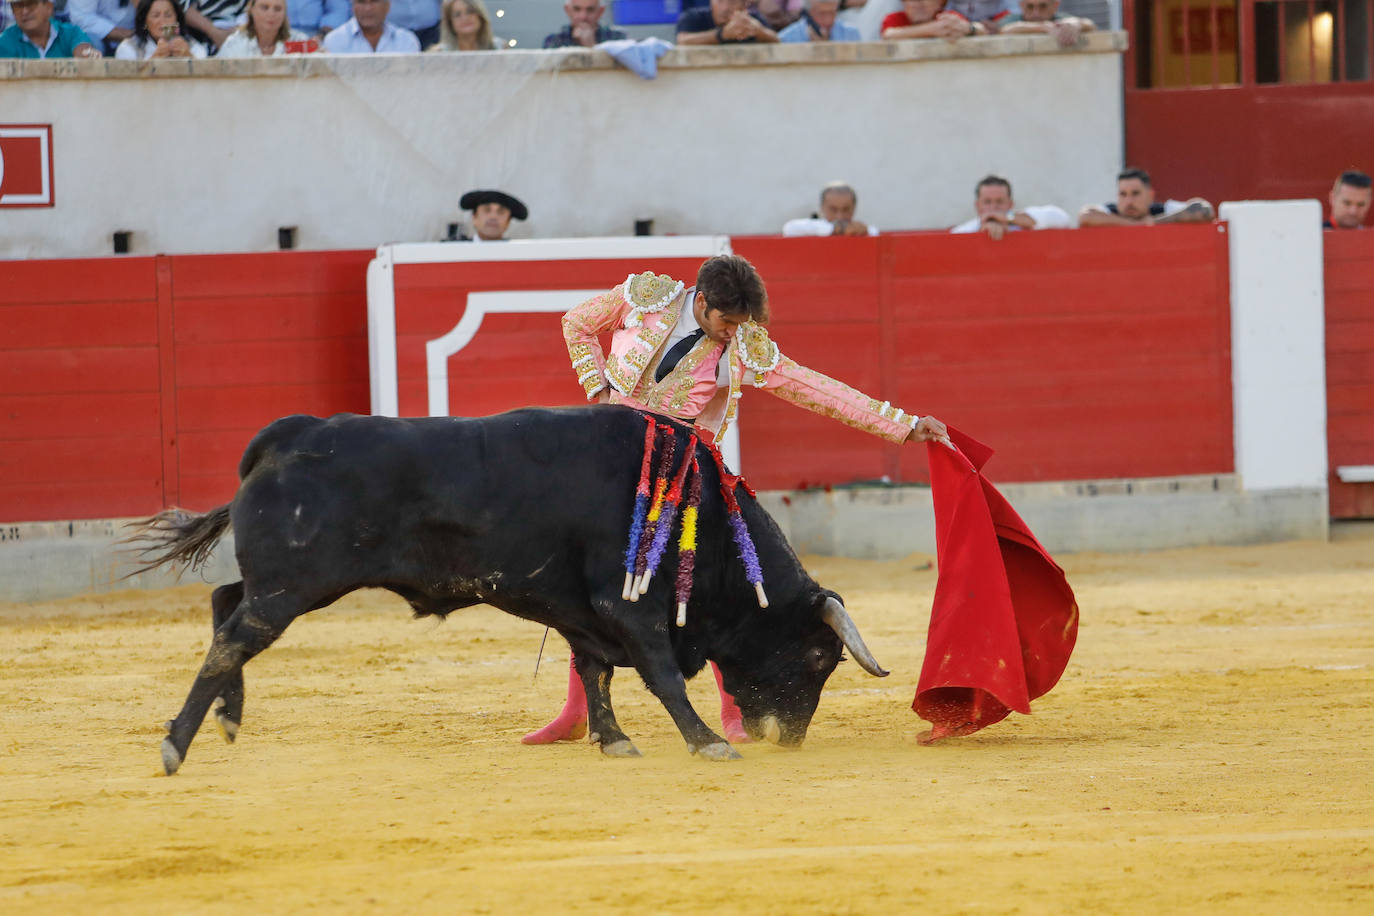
(26, 178)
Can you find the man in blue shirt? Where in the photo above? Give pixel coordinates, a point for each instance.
(584, 27)
(817, 23)
(35, 35)
(723, 22)
(369, 32)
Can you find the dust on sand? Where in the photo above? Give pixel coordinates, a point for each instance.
(1208, 750)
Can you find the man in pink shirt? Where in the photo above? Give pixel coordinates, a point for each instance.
(688, 353)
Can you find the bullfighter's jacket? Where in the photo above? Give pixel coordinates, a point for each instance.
(641, 313)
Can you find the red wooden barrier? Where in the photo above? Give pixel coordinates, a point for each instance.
(129, 384)
(1349, 284)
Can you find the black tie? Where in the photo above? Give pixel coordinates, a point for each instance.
(675, 354)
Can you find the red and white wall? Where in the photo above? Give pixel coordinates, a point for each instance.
(131, 384)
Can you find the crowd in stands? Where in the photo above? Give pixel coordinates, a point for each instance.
(245, 28)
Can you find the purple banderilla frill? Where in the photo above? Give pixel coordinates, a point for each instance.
(641, 507)
(640, 583)
(663, 529)
(687, 544)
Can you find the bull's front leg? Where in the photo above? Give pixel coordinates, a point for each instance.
(602, 727)
(655, 663)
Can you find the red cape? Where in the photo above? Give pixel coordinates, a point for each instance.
(1004, 620)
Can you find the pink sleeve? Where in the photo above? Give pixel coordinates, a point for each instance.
(581, 327)
(831, 398)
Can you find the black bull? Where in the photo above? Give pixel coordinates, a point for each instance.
(527, 511)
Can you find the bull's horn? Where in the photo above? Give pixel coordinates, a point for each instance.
(837, 618)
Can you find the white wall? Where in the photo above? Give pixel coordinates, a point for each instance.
(213, 156)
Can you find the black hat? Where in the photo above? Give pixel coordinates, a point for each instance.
(474, 199)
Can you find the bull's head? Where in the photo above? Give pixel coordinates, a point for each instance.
(776, 670)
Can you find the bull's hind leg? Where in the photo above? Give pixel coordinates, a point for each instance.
(252, 627)
(603, 728)
(228, 705)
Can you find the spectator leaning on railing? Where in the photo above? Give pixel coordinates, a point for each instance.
(35, 34)
(265, 34)
(724, 22)
(818, 23)
(369, 32)
(1135, 206)
(997, 213)
(1043, 17)
(778, 14)
(465, 25)
(1350, 198)
(991, 14)
(106, 21)
(928, 19)
(159, 31)
(584, 28)
(836, 217)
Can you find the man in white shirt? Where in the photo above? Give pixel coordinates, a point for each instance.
(997, 213)
(1135, 206)
(368, 32)
(838, 202)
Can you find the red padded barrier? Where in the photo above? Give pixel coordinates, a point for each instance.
(1065, 350)
(81, 428)
(1349, 281)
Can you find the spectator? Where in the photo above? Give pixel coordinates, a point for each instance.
(107, 22)
(492, 212)
(838, 202)
(215, 19)
(997, 213)
(421, 17)
(465, 26)
(928, 19)
(584, 28)
(159, 31)
(1350, 197)
(317, 18)
(818, 23)
(991, 14)
(725, 22)
(35, 34)
(265, 34)
(1135, 206)
(369, 32)
(1043, 17)
(778, 14)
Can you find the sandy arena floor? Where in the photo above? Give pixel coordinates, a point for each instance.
(1209, 750)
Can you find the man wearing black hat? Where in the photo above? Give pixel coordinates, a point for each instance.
(491, 213)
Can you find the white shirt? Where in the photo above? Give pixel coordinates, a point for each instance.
(348, 39)
(687, 324)
(241, 44)
(1045, 217)
(794, 228)
(136, 49)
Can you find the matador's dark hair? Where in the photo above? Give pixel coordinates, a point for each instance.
(733, 287)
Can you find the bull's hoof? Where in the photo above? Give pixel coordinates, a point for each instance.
(719, 751)
(228, 728)
(622, 748)
(171, 757)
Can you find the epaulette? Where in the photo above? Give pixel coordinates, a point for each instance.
(756, 351)
(647, 293)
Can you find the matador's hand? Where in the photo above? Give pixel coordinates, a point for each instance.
(930, 429)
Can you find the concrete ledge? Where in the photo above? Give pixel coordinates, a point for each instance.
(41, 561)
(516, 62)
(1108, 515)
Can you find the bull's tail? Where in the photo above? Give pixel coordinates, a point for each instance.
(176, 536)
